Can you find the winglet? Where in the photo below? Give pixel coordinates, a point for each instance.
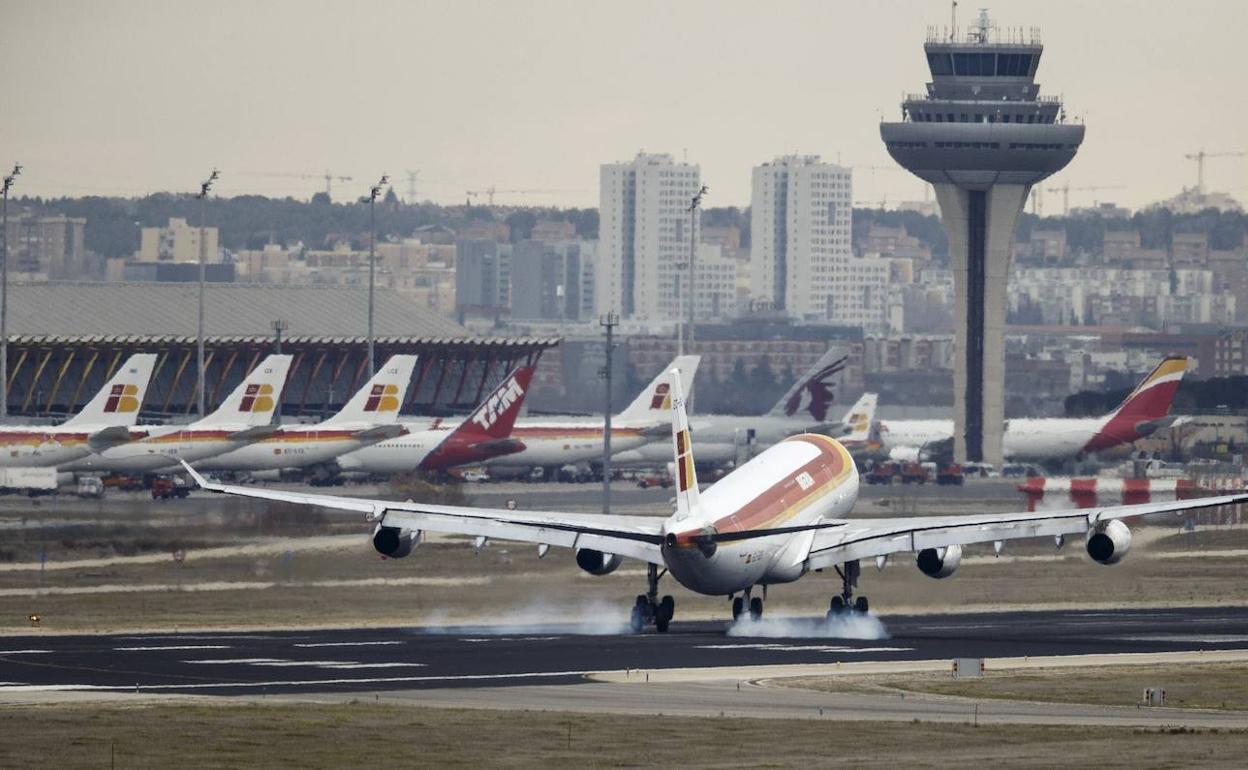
(200, 481)
(686, 475)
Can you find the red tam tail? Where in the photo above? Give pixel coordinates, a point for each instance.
(486, 433)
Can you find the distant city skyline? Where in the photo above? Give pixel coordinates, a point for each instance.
(137, 97)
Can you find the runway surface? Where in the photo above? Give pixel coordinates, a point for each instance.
(369, 660)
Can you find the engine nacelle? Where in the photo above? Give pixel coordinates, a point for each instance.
(394, 542)
(939, 562)
(596, 562)
(1109, 544)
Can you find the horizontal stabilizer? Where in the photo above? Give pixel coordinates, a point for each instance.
(112, 436)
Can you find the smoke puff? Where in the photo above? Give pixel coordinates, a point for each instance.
(850, 625)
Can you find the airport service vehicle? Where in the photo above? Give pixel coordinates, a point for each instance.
(370, 416)
(551, 443)
(243, 417)
(1143, 411)
(90, 487)
(725, 439)
(782, 515)
(103, 422)
(166, 487)
(29, 481)
(445, 444)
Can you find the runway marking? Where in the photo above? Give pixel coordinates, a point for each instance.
(223, 661)
(25, 652)
(479, 639)
(1196, 638)
(801, 648)
(346, 644)
(174, 647)
(291, 682)
(379, 665)
(316, 663)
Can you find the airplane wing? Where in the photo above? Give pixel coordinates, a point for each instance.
(867, 538)
(637, 537)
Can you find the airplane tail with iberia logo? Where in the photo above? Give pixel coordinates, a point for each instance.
(686, 474)
(379, 401)
(654, 402)
(856, 424)
(252, 403)
(1143, 411)
(117, 403)
(814, 392)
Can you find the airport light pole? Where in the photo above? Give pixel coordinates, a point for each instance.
(693, 254)
(204, 188)
(4, 292)
(279, 326)
(373, 192)
(608, 322)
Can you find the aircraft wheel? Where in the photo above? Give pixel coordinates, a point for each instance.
(836, 607)
(637, 620)
(756, 608)
(667, 608)
(738, 606)
(860, 605)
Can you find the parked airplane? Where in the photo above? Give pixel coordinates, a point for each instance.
(1142, 412)
(553, 442)
(778, 517)
(243, 417)
(103, 422)
(724, 439)
(857, 426)
(372, 415)
(444, 444)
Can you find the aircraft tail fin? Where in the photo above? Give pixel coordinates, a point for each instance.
(496, 415)
(857, 421)
(118, 402)
(1146, 406)
(253, 401)
(687, 502)
(379, 401)
(654, 401)
(812, 393)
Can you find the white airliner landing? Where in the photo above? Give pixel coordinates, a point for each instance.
(1142, 412)
(243, 417)
(370, 416)
(103, 422)
(776, 518)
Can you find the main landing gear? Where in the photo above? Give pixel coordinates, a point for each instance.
(754, 604)
(649, 609)
(846, 601)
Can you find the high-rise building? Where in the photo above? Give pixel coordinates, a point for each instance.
(482, 276)
(982, 135)
(177, 242)
(801, 231)
(550, 280)
(52, 247)
(644, 236)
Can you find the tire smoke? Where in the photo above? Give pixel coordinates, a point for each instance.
(850, 625)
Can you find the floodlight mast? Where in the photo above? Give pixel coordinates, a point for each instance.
(204, 188)
(4, 292)
(373, 192)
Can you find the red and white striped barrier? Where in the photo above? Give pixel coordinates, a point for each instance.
(1045, 494)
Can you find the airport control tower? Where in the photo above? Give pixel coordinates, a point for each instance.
(982, 136)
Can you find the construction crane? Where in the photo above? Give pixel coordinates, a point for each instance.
(1066, 188)
(1200, 155)
(327, 176)
(491, 191)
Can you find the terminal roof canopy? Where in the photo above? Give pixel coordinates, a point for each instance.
(78, 309)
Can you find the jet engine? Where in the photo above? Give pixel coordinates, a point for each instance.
(939, 562)
(1108, 544)
(596, 562)
(394, 542)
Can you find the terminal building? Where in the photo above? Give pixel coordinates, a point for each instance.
(66, 339)
(982, 135)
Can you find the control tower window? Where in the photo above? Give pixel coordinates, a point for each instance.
(940, 64)
(1013, 65)
(974, 64)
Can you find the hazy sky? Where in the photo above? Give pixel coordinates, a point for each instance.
(129, 97)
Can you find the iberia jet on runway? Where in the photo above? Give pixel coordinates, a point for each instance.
(783, 514)
(243, 417)
(552, 442)
(370, 416)
(721, 436)
(103, 422)
(1142, 412)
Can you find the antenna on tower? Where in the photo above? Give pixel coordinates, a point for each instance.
(953, 29)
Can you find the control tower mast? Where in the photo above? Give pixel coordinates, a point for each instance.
(982, 136)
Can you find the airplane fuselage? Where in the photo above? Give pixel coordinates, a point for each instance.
(161, 448)
(293, 447)
(552, 443)
(800, 481)
(41, 447)
(719, 438)
(1025, 439)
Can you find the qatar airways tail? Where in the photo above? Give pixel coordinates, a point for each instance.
(1146, 409)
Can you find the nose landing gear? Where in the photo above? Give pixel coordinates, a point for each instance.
(648, 608)
(846, 601)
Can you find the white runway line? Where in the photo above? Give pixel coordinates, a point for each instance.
(222, 661)
(379, 665)
(244, 585)
(801, 648)
(174, 647)
(346, 644)
(25, 652)
(288, 682)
